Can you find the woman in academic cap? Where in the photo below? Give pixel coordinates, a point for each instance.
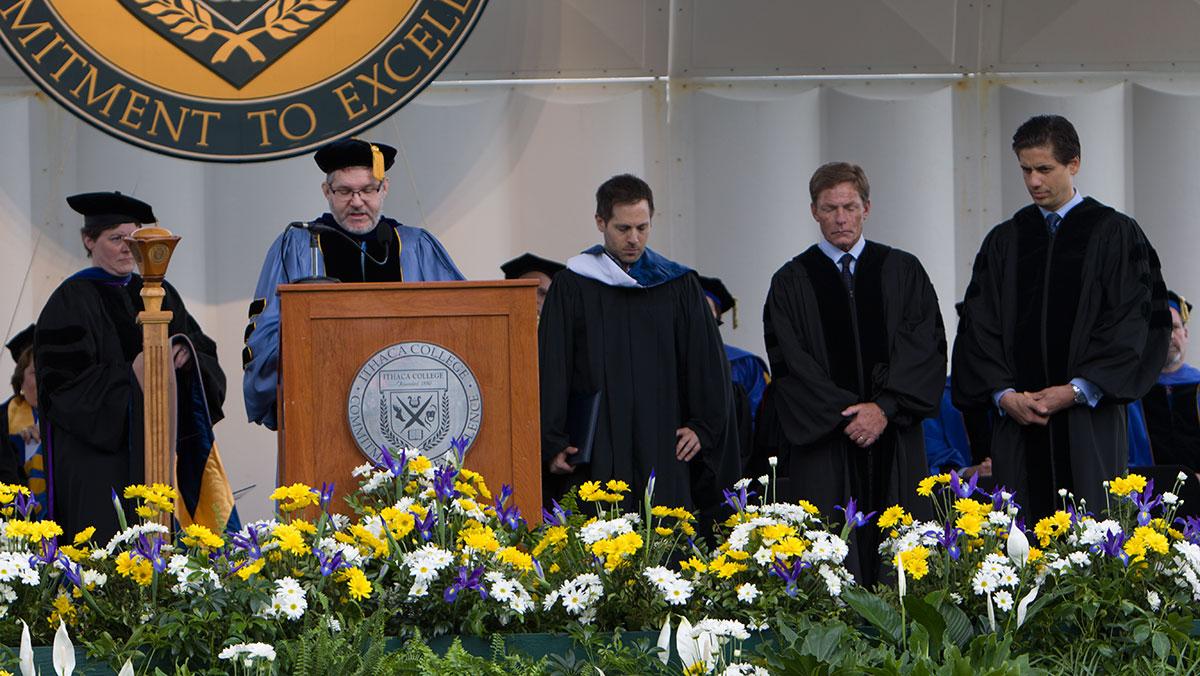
(88, 354)
(20, 439)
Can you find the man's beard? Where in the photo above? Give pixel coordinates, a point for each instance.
(1174, 358)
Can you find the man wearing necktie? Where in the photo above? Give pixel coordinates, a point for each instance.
(1064, 322)
(858, 352)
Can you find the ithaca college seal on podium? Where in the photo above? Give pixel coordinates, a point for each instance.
(234, 80)
(414, 395)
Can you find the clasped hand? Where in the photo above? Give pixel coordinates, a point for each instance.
(867, 423)
(1035, 408)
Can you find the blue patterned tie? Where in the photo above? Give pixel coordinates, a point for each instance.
(1052, 222)
(847, 276)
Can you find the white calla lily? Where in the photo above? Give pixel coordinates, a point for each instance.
(127, 669)
(664, 640)
(901, 580)
(991, 613)
(26, 655)
(1023, 606)
(1018, 545)
(64, 651)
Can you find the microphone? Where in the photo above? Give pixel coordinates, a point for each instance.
(314, 228)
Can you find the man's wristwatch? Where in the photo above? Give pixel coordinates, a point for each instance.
(1080, 397)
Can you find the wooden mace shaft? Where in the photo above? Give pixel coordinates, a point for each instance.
(157, 372)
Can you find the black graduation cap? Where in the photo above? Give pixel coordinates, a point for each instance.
(1181, 305)
(353, 152)
(528, 262)
(715, 289)
(20, 342)
(101, 209)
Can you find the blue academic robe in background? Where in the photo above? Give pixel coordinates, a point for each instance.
(750, 371)
(946, 444)
(1141, 451)
(422, 259)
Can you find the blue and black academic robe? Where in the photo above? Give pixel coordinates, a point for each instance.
(1165, 424)
(1088, 302)
(829, 350)
(91, 405)
(390, 253)
(648, 343)
(947, 446)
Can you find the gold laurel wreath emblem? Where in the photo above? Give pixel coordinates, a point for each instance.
(284, 20)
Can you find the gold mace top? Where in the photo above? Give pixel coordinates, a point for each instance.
(152, 248)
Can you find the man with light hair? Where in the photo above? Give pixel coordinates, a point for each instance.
(358, 244)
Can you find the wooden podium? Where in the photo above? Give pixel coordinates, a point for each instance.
(334, 337)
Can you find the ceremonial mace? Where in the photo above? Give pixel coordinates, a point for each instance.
(152, 248)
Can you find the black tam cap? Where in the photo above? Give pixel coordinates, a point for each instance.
(103, 209)
(1181, 305)
(528, 262)
(353, 152)
(20, 342)
(715, 289)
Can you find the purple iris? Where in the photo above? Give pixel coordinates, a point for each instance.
(329, 564)
(738, 499)
(999, 501)
(443, 483)
(510, 516)
(73, 571)
(49, 553)
(963, 490)
(248, 543)
(151, 551)
(1145, 502)
(789, 573)
(1114, 546)
(459, 444)
(1191, 528)
(24, 504)
(425, 526)
(325, 495)
(465, 581)
(556, 515)
(948, 538)
(854, 518)
(396, 467)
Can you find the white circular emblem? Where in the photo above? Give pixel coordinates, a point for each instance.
(414, 395)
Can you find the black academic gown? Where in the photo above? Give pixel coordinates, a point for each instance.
(1173, 422)
(827, 353)
(657, 357)
(1088, 303)
(89, 399)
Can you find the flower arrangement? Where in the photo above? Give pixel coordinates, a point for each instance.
(431, 548)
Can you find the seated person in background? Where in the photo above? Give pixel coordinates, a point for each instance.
(1164, 426)
(748, 370)
(958, 441)
(21, 457)
(529, 266)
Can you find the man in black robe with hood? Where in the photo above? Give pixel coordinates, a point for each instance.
(630, 324)
(1064, 322)
(858, 352)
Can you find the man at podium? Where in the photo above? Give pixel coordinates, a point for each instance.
(357, 244)
(629, 332)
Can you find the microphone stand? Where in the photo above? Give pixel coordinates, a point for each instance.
(314, 248)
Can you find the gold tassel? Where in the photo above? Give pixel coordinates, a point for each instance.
(376, 162)
(1183, 310)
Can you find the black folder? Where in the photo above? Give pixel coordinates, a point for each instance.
(583, 412)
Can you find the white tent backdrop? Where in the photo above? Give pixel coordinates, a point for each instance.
(725, 107)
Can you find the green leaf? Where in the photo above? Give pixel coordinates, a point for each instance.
(930, 619)
(876, 611)
(822, 641)
(958, 625)
(1161, 645)
(1141, 633)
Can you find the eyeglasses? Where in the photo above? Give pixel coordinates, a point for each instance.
(347, 193)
